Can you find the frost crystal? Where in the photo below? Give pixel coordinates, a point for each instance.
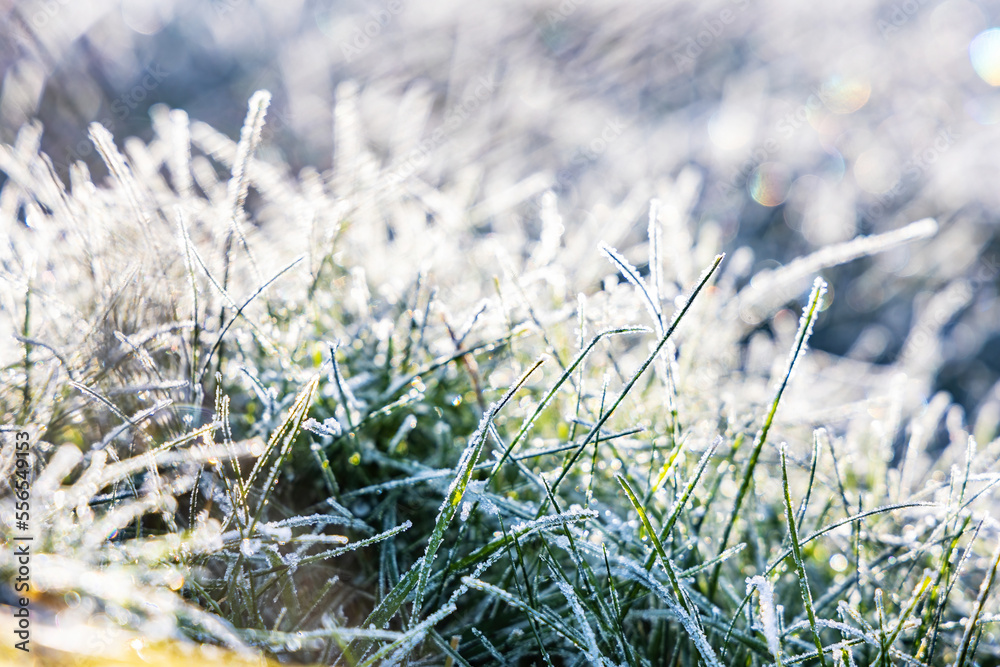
(249, 547)
(768, 617)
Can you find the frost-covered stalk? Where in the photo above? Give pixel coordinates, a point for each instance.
(806, 322)
(768, 615)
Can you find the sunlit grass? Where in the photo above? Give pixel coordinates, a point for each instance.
(257, 446)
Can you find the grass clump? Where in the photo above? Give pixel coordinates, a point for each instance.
(314, 417)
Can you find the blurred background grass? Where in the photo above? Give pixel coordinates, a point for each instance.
(798, 124)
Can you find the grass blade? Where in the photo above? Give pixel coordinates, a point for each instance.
(800, 568)
(973, 619)
(657, 545)
(801, 339)
(596, 429)
(463, 475)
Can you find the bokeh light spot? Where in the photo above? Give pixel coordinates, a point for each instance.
(838, 562)
(769, 184)
(731, 129)
(845, 95)
(984, 109)
(984, 52)
(875, 170)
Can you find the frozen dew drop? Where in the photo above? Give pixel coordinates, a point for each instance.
(247, 548)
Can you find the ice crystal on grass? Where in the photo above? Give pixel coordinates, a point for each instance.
(768, 615)
(330, 427)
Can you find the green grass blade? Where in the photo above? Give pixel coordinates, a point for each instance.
(814, 463)
(596, 429)
(453, 499)
(801, 339)
(410, 637)
(285, 433)
(793, 536)
(530, 420)
(907, 612)
(674, 514)
(973, 619)
(549, 620)
(657, 545)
